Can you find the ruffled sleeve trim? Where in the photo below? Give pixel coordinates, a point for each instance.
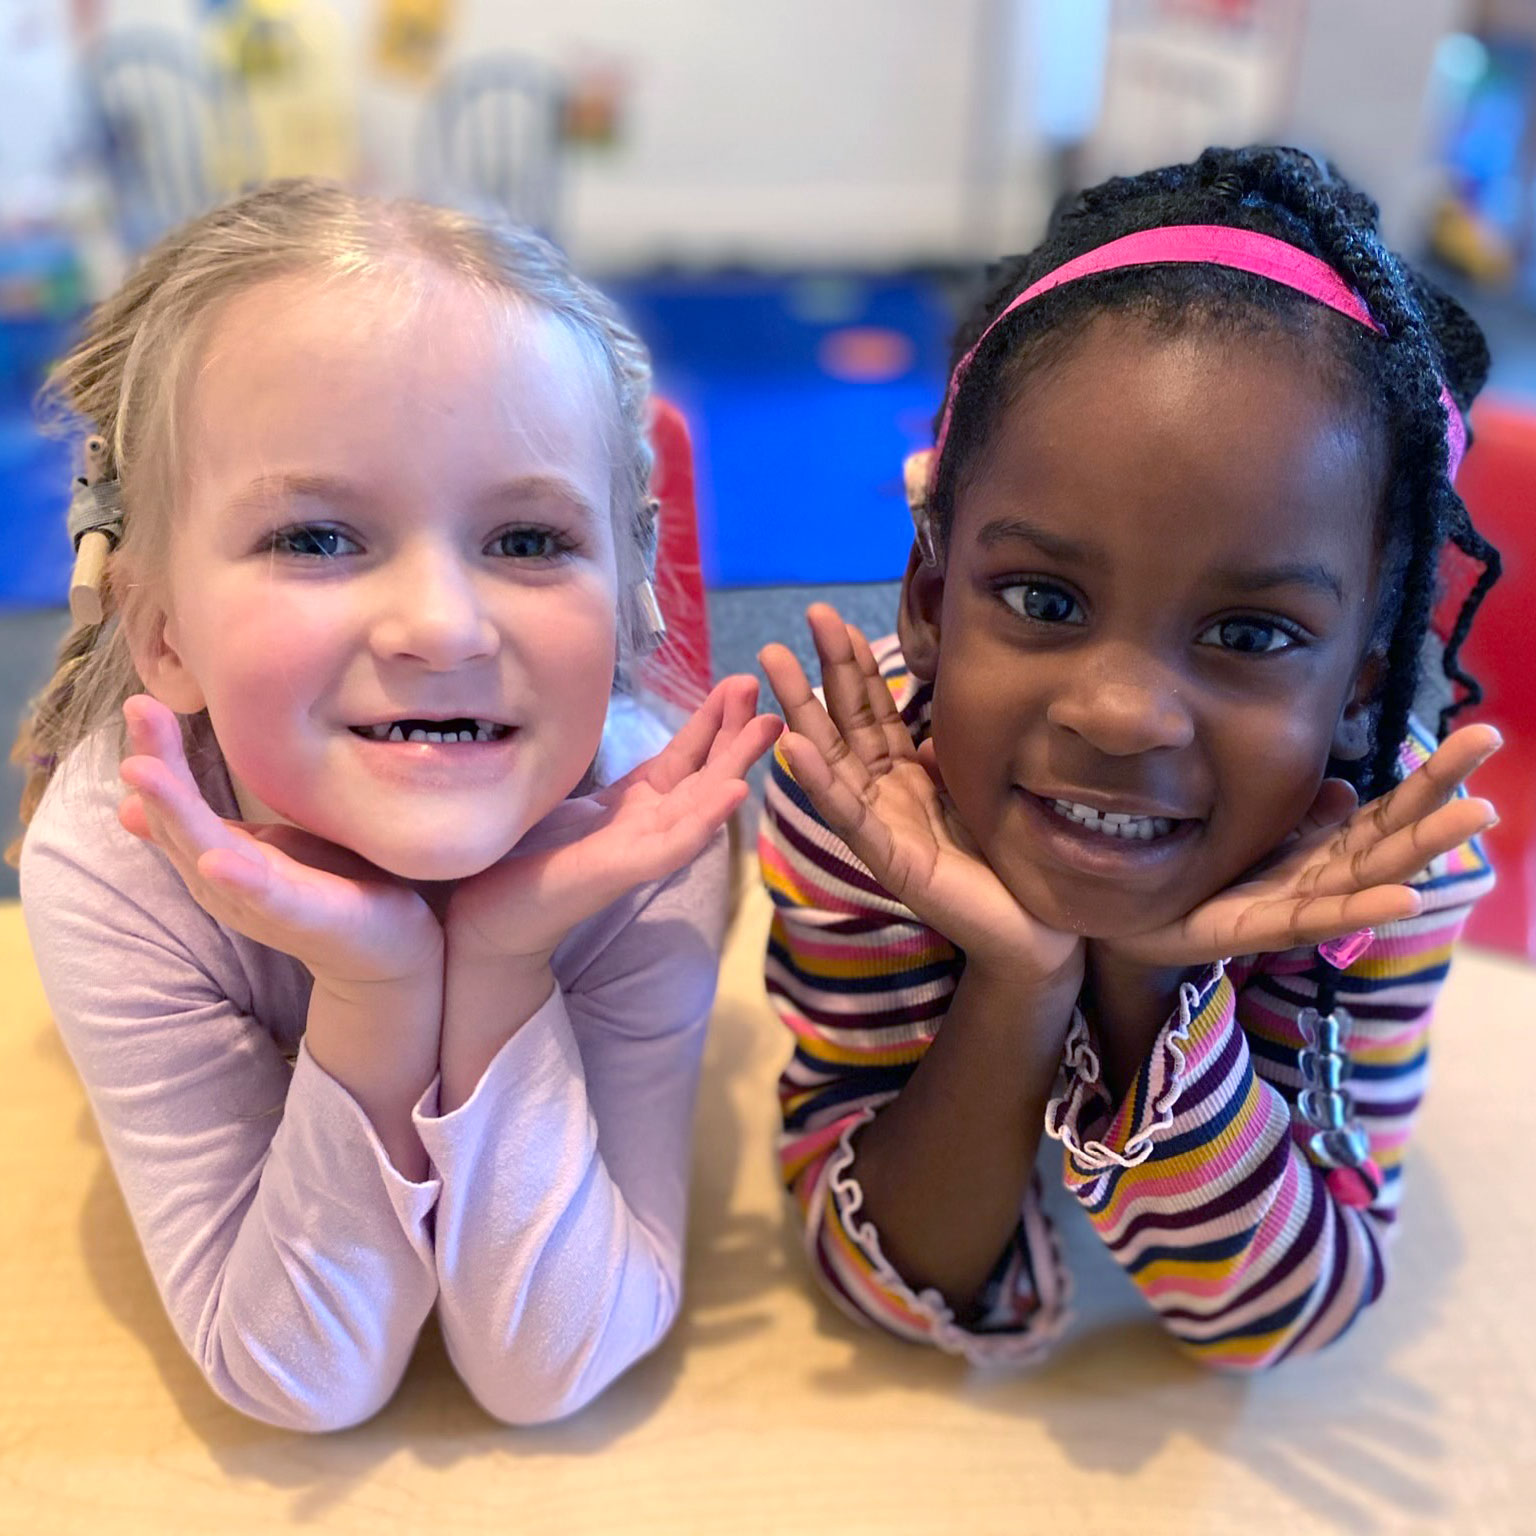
(1083, 1117)
(928, 1315)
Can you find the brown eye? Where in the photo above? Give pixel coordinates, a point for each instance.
(1043, 603)
(1253, 637)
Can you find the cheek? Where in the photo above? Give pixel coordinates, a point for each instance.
(1270, 772)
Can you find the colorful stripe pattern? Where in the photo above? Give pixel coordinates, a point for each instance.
(1197, 1182)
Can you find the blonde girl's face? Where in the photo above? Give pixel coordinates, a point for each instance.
(394, 525)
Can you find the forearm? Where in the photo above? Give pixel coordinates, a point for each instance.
(944, 1167)
(1194, 1182)
(380, 1042)
(486, 1000)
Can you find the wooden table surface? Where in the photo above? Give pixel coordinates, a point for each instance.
(765, 1411)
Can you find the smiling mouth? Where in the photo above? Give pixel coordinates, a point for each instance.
(1115, 824)
(461, 728)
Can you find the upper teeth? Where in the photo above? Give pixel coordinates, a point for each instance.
(484, 730)
(1113, 823)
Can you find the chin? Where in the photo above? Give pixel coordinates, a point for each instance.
(435, 864)
(1091, 916)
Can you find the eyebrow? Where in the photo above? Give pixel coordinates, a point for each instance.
(267, 490)
(1003, 530)
(1312, 574)
(1301, 573)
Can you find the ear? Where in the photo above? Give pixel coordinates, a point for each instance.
(156, 652)
(1352, 735)
(917, 619)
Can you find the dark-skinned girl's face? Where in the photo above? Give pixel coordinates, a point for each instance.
(1152, 620)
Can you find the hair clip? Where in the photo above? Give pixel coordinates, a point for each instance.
(95, 529)
(916, 474)
(651, 625)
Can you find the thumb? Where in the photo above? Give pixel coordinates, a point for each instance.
(928, 759)
(1334, 802)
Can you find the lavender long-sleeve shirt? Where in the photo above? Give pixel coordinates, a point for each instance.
(296, 1264)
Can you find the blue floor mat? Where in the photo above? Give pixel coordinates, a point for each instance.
(35, 556)
(799, 471)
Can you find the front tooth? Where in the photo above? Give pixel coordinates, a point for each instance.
(434, 735)
(417, 735)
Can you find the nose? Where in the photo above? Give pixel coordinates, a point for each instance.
(430, 611)
(1123, 701)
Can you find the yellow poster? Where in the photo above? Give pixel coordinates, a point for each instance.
(411, 36)
(291, 58)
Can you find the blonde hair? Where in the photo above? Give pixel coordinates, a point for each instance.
(122, 380)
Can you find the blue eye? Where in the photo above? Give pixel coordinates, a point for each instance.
(312, 541)
(530, 544)
(1043, 602)
(1251, 637)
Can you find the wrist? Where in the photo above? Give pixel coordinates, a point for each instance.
(487, 999)
(1023, 981)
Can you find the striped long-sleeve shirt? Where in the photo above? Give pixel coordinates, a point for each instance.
(1198, 1181)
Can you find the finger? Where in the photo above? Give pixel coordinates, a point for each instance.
(1317, 919)
(689, 748)
(131, 813)
(847, 693)
(1407, 852)
(154, 731)
(1430, 786)
(139, 814)
(238, 872)
(1335, 802)
(740, 708)
(836, 802)
(579, 878)
(177, 810)
(898, 740)
(806, 716)
(735, 758)
(1244, 926)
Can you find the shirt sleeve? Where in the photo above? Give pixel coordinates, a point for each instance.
(1199, 1181)
(293, 1259)
(863, 987)
(565, 1174)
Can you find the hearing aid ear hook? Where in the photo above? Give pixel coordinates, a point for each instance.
(916, 470)
(95, 529)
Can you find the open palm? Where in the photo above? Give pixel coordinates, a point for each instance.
(588, 852)
(344, 918)
(1344, 870)
(854, 758)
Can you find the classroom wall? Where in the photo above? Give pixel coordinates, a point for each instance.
(874, 132)
(800, 131)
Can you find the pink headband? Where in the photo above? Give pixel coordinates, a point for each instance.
(1245, 250)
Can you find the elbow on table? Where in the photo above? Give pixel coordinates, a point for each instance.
(523, 1401)
(521, 1393)
(266, 1392)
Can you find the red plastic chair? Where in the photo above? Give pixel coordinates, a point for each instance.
(1498, 484)
(680, 670)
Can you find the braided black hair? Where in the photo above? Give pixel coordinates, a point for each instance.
(1395, 376)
